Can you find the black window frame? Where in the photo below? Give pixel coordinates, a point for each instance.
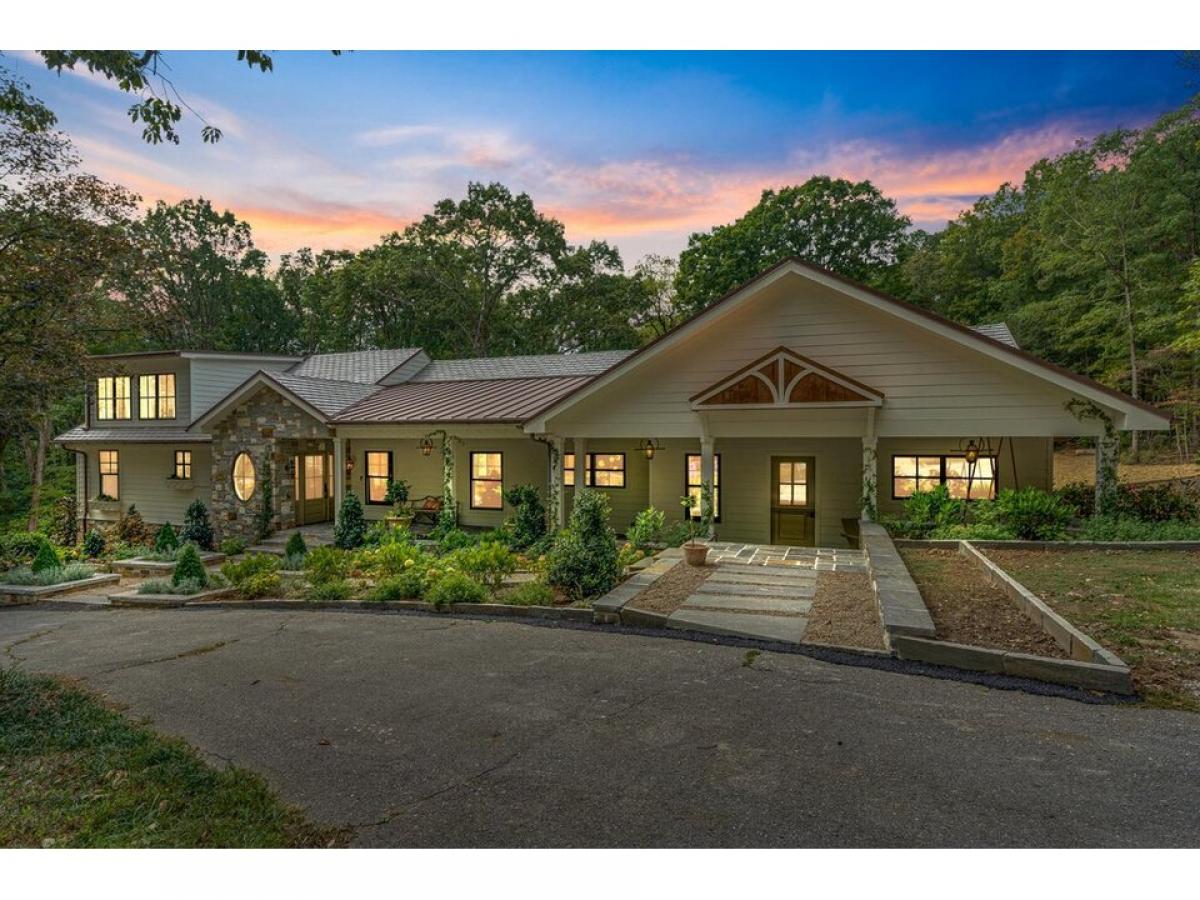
(589, 470)
(696, 512)
(128, 379)
(942, 457)
(367, 476)
(183, 462)
(471, 479)
(116, 473)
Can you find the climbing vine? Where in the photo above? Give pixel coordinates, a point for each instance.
(1108, 450)
(449, 515)
(868, 505)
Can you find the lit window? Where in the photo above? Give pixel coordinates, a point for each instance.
(964, 480)
(183, 463)
(156, 396)
(243, 476)
(314, 476)
(379, 475)
(112, 397)
(487, 480)
(793, 484)
(600, 469)
(110, 474)
(694, 469)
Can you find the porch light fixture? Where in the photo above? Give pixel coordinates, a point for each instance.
(426, 446)
(649, 447)
(971, 454)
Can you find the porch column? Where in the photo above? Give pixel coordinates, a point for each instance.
(706, 481)
(1108, 454)
(339, 474)
(869, 505)
(580, 464)
(557, 501)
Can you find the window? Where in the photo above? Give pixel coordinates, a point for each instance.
(606, 470)
(965, 481)
(183, 463)
(314, 476)
(112, 397)
(110, 474)
(379, 475)
(693, 467)
(487, 480)
(243, 476)
(793, 483)
(156, 396)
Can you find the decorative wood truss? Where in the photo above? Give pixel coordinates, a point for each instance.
(786, 380)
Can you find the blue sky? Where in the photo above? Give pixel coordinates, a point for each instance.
(636, 148)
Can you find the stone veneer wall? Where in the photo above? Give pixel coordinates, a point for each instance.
(267, 427)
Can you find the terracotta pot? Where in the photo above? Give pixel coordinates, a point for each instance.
(399, 521)
(695, 554)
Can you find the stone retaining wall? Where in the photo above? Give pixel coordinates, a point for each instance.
(901, 608)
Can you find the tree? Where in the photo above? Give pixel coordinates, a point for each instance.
(849, 228)
(660, 313)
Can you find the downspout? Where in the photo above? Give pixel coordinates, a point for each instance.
(80, 453)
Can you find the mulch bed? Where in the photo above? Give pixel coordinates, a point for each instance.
(668, 593)
(968, 610)
(844, 612)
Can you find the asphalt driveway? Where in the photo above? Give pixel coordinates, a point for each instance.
(430, 731)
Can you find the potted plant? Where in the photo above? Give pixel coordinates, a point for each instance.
(695, 553)
(397, 496)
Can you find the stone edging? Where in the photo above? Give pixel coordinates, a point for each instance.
(136, 565)
(1075, 673)
(952, 544)
(610, 609)
(901, 608)
(135, 600)
(31, 593)
(568, 613)
(1077, 644)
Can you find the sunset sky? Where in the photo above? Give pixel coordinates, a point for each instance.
(636, 148)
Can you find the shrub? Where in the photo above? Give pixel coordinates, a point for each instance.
(19, 548)
(928, 511)
(394, 559)
(1080, 497)
(65, 521)
(583, 562)
(131, 527)
(455, 587)
(189, 566)
(628, 555)
(295, 545)
(249, 566)
(325, 564)
(197, 527)
(264, 516)
(978, 531)
(45, 559)
(489, 563)
(531, 593)
(351, 526)
(647, 528)
(60, 575)
(232, 546)
(1155, 503)
(676, 534)
(529, 522)
(335, 591)
(405, 586)
(1116, 528)
(1032, 515)
(93, 544)
(454, 539)
(178, 587)
(293, 563)
(380, 534)
(166, 541)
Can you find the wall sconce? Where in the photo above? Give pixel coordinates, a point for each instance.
(649, 447)
(426, 446)
(972, 452)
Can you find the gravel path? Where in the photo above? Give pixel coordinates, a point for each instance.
(668, 593)
(844, 612)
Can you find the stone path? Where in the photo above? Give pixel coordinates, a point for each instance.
(821, 559)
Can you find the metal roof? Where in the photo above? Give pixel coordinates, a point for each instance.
(486, 401)
(81, 435)
(997, 331)
(555, 365)
(326, 395)
(360, 366)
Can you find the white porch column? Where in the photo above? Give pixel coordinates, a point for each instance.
(1108, 455)
(339, 474)
(869, 502)
(580, 464)
(558, 504)
(706, 479)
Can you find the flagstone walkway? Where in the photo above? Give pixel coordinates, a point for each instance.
(821, 559)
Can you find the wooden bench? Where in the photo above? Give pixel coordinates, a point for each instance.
(426, 513)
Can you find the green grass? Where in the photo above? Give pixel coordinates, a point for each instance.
(74, 773)
(1142, 604)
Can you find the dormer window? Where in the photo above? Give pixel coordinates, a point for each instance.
(112, 397)
(156, 396)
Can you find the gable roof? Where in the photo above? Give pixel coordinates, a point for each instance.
(555, 365)
(774, 381)
(319, 397)
(360, 366)
(498, 400)
(963, 335)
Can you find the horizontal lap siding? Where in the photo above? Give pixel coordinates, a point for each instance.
(423, 473)
(212, 379)
(144, 469)
(133, 368)
(628, 501)
(526, 461)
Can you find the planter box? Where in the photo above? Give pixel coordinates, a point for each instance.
(31, 593)
(181, 484)
(140, 566)
(134, 599)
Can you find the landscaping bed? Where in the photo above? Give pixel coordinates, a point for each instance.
(844, 612)
(1143, 604)
(669, 591)
(966, 609)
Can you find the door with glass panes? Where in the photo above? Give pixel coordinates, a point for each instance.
(314, 500)
(793, 501)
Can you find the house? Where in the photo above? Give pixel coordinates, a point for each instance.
(806, 400)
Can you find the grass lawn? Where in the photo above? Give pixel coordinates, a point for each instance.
(1142, 604)
(74, 773)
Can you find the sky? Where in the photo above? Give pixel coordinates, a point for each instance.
(639, 149)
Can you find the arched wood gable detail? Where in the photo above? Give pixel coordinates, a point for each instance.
(784, 380)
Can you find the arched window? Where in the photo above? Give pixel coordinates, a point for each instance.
(243, 476)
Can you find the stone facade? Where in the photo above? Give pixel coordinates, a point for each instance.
(268, 427)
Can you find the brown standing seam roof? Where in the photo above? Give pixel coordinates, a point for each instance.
(505, 400)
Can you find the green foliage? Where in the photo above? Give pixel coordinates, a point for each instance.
(529, 523)
(264, 516)
(1079, 497)
(926, 512)
(351, 526)
(93, 544)
(1115, 528)
(627, 555)
(405, 586)
(976, 531)
(189, 566)
(20, 547)
(583, 562)
(256, 575)
(61, 574)
(295, 545)
(648, 528)
(455, 539)
(323, 564)
(1032, 515)
(531, 593)
(64, 524)
(182, 587)
(455, 587)
(166, 541)
(45, 559)
(197, 527)
(232, 546)
(393, 559)
(489, 562)
(131, 527)
(1155, 503)
(336, 591)
(397, 494)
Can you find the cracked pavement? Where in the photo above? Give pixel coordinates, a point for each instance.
(427, 731)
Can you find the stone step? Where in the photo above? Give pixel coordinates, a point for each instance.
(742, 576)
(749, 604)
(767, 628)
(758, 590)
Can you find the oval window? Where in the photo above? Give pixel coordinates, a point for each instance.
(243, 476)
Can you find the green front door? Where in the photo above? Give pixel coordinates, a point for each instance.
(314, 502)
(793, 501)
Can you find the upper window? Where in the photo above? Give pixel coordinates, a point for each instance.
(379, 475)
(112, 397)
(600, 470)
(693, 467)
(110, 474)
(156, 396)
(964, 480)
(487, 480)
(183, 463)
(243, 476)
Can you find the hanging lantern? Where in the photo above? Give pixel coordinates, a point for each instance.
(972, 452)
(649, 446)
(426, 446)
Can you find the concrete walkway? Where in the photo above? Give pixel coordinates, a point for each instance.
(820, 559)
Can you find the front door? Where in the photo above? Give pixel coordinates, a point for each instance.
(313, 500)
(793, 501)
